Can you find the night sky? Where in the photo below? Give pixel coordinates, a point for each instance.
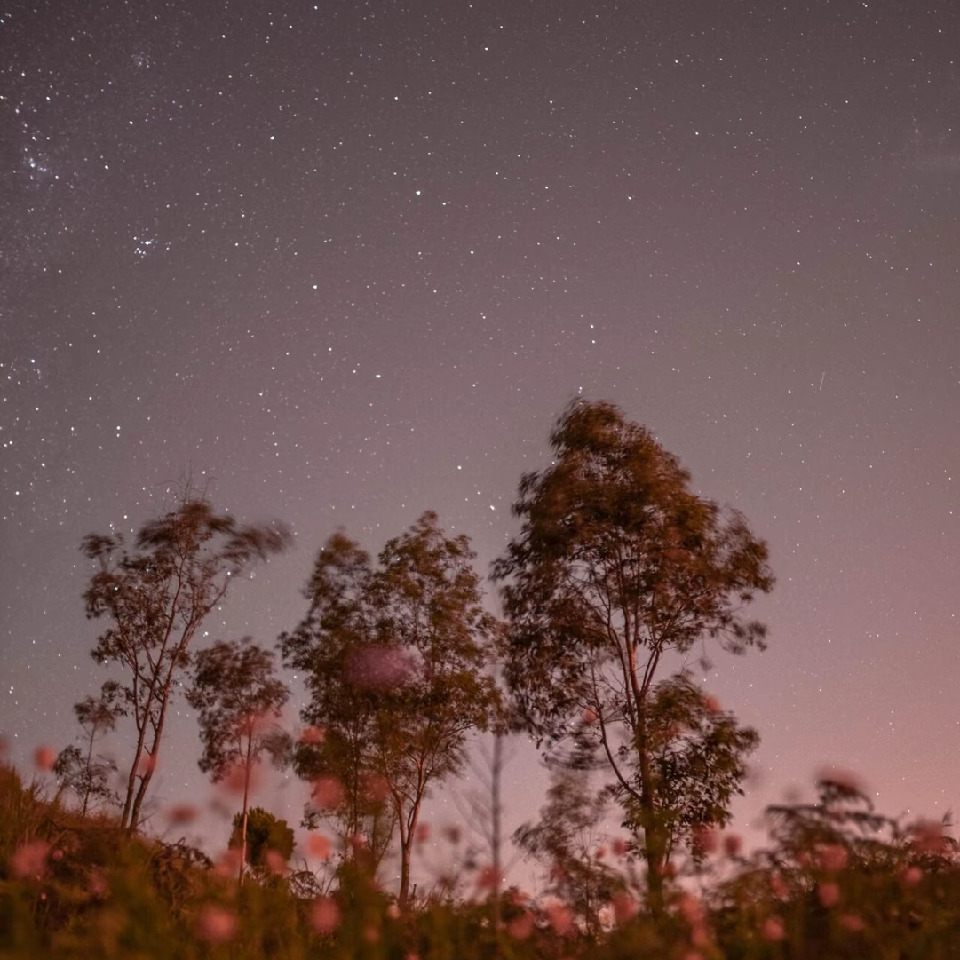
(344, 262)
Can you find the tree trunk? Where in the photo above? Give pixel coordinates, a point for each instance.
(654, 843)
(406, 839)
(246, 812)
(126, 821)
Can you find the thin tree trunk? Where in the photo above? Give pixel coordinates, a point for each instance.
(246, 813)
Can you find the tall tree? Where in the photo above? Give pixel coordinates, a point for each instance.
(155, 597)
(239, 700)
(431, 619)
(338, 750)
(395, 660)
(78, 769)
(618, 568)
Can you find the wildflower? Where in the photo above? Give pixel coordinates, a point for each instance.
(692, 909)
(181, 813)
(705, 839)
(376, 789)
(489, 878)
(912, 876)
(711, 703)
(423, 832)
(380, 667)
(732, 845)
(778, 887)
(620, 846)
(312, 734)
(275, 862)
(325, 916)
(228, 863)
(521, 927)
(43, 758)
(589, 716)
(832, 856)
(29, 860)
(146, 763)
(852, 922)
(216, 925)
(829, 894)
(452, 834)
(625, 908)
(559, 917)
(773, 929)
(319, 846)
(928, 836)
(393, 912)
(328, 793)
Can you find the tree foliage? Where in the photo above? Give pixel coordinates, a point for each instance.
(79, 770)
(430, 617)
(618, 568)
(264, 833)
(239, 701)
(338, 751)
(395, 659)
(155, 596)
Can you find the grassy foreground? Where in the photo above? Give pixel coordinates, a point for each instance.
(839, 881)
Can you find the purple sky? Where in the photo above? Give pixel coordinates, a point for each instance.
(348, 261)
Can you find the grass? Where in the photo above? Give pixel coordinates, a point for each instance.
(837, 881)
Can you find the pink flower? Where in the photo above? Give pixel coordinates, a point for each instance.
(928, 836)
(319, 846)
(692, 909)
(732, 844)
(328, 793)
(29, 860)
(423, 832)
(852, 922)
(312, 734)
(706, 839)
(216, 925)
(773, 929)
(488, 879)
(43, 758)
(181, 813)
(325, 916)
(778, 887)
(521, 927)
(376, 789)
(912, 876)
(560, 918)
(829, 894)
(625, 908)
(832, 856)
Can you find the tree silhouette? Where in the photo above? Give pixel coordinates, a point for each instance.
(617, 570)
(239, 701)
(155, 597)
(395, 662)
(431, 621)
(78, 770)
(337, 751)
